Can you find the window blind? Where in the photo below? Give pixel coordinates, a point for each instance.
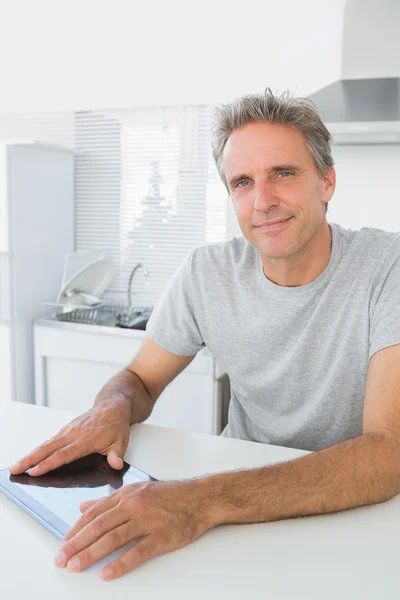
(146, 187)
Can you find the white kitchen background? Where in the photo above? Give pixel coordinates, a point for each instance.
(137, 112)
(145, 186)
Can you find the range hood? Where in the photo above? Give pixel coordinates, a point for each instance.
(363, 105)
(361, 111)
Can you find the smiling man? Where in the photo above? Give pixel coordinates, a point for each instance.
(303, 315)
(280, 199)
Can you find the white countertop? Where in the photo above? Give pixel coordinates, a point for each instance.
(349, 555)
(91, 328)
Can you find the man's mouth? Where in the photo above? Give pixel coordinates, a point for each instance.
(273, 225)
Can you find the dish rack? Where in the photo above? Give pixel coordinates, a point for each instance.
(87, 315)
(97, 315)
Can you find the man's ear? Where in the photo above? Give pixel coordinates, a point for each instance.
(329, 184)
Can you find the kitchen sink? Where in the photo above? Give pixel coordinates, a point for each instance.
(109, 316)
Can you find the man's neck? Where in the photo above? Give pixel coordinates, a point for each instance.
(306, 265)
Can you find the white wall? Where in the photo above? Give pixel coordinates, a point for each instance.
(87, 54)
(371, 41)
(74, 54)
(70, 54)
(367, 187)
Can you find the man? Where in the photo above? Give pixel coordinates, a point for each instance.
(304, 317)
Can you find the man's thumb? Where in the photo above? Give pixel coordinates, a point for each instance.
(114, 459)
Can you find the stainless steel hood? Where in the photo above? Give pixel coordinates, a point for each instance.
(363, 105)
(361, 111)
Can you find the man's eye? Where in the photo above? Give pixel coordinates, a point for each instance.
(239, 182)
(285, 173)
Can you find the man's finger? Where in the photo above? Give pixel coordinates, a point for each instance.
(37, 455)
(114, 539)
(82, 541)
(146, 548)
(101, 506)
(114, 460)
(59, 457)
(87, 504)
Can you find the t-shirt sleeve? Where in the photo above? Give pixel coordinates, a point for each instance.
(172, 324)
(385, 316)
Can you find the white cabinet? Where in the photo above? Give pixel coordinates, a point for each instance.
(73, 361)
(36, 232)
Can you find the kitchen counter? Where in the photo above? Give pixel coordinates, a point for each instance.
(73, 361)
(347, 555)
(91, 328)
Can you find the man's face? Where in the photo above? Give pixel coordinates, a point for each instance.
(271, 175)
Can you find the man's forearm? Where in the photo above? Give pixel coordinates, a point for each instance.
(363, 470)
(128, 387)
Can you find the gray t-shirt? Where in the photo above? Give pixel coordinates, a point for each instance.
(297, 357)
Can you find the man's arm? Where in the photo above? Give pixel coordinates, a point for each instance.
(166, 515)
(363, 470)
(126, 398)
(142, 382)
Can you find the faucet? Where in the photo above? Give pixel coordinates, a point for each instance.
(131, 280)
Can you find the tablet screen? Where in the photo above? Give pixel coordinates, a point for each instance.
(54, 498)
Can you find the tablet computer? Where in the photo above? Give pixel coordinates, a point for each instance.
(53, 499)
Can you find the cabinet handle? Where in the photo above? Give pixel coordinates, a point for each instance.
(5, 289)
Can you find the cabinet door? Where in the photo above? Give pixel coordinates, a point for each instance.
(7, 391)
(73, 384)
(4, 212)
(72, 367)
(7, 375)
(187, 403)
(6, 364)
(41, 234)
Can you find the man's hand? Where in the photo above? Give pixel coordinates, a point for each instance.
(161, 516)
(104, 429)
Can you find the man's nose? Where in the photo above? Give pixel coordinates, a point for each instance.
(264, 197)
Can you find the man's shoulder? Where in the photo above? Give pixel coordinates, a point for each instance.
(369, 240)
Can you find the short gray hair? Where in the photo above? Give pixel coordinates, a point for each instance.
(299, 113)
